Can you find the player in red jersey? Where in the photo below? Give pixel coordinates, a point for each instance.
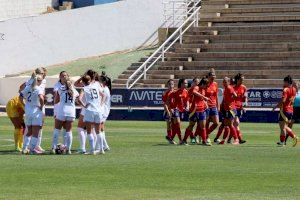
(179, 107)
(167, 110)
(240, 102)
(198, 109)
(189, 129)
(286, 111)
(229, 110)
(213, 105)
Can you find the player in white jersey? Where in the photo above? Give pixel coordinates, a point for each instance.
(34, 96)
(81, 126)
(92, 118)
(106, 84)
(63, 76)
(66, 95)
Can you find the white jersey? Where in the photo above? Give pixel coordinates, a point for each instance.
(92, 96)
(32, 105)
(66, 105)
(55, 89)
(107, 102)
(42, 86)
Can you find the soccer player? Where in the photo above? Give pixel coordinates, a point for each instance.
(213, 104)
(179, 108)
(94, 101)
(286, 111)
(198, 110)
(106, 84)
(240, 102)
(229, 111)
(189, 129)
(15, 111)
(34, 95)
(167, 111)
(66, 97)
(63, 77)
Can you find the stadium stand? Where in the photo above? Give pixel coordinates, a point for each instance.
(259, 38)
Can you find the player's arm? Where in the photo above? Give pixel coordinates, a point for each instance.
(79, 83)
(42, 102)
(79, 99)
(56, 98)
(283, 100)
(196, 93)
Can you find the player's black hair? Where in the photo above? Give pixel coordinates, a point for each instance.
(91, 73)
(180, 82)
(232, 81)
(86, 79)
(204, 81)
(195, 78)
(237, 77)
(288, 79)
(169, 81)
(106, 80)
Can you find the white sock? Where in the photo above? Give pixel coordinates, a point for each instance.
(95, 136)
(82, 138)
(56, 133)
(33, 143)
(100, 142)
(105, 144)
(69, 140)
(64, 137)
(26, 142)
(92, 142)
(39, 142)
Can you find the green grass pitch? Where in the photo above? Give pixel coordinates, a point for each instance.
(141, 165)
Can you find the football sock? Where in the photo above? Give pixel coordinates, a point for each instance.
(82, 138)
(56, 133)
(220, 131)
(105, 144)
(203, 135)
(239, 134)
(169, 133)
(26, 142)
(33, 143)
(212, 128)
(188, 133)
(282, 138)
(92, 142)
(226, 132)
(233, 132)
(39, 142)
(20, 139)
(16, 132)
(69, 140)
(290, 133)
(64, 134)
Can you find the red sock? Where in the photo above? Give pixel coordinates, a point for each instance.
(173, 130)
(233, 132)
(212, 128)
(169, 133)
(290, 133)
(203, 135)
(282, 138)
(188, 133)
(239, 134)
(226, 132)
(220, 131)
(177, 131)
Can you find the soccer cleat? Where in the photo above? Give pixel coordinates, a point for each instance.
(52, 151)
(40, 149)
(193, 140)
(68, 152)
(18, 149)
(236, 142)
(222, 142)
(107, 149)
(242, 141)
(217, 141)
(228, 141)
(280, 144)
(36, 151)
(295, 141)
(25, 151)
(80, 151)
(100, 152)
(184, 143)
(208, 142)
(170, 140)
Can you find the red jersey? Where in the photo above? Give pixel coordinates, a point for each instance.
(228, 100)
(240, 92)
(190, 93)
(166, 97)
(289, 94)
(212, 94)
(198, 104)
(180, 99)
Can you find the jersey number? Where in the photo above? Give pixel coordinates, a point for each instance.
(29, 97)
(94, 94)
(68, 98)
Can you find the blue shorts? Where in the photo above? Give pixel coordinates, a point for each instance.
(285, 116)
(197, 116)
(166, 116)
(212, 112)
(177, 114)
(229, 114)
(239, 113)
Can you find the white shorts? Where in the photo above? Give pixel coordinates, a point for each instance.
(65, 118)
(82, 112)
(92, 116)
(34, 120)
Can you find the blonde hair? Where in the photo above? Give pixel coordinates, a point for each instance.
(35, 77)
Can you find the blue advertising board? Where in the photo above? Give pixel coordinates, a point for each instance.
(262, 98)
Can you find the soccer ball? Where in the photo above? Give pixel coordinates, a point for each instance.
(60, 149)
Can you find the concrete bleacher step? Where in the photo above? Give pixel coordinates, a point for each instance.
(246, 18)
(247, 2)
(257, 9)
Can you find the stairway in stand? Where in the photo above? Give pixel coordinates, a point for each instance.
(259, 38)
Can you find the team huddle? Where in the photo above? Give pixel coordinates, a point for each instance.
(200, 103)
(94, 99)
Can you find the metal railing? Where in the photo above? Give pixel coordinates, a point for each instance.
(159, 54)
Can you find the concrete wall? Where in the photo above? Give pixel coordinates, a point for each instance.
(23, 8)
(64, 36)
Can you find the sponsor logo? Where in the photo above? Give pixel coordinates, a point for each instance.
(138, 95)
